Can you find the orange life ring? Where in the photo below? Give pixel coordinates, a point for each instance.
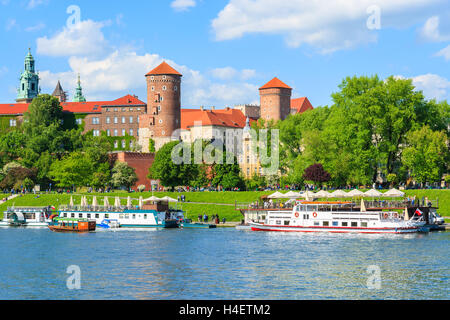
(386, 216)
(297, 214)
(315, 214)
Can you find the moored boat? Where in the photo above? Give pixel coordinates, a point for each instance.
(72, 225)
(188, 224)
(336, 217)
(36, 217)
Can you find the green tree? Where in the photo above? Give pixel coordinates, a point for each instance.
(426, 154)
(73, 170)
(44, 110)
(123, 175)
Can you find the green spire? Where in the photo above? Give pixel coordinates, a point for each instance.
(79, 92)
(29, 81)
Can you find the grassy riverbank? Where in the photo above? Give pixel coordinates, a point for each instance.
(221, 203)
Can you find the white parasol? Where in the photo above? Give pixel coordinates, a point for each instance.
(394, 193)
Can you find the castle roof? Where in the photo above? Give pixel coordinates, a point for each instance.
(58, 90)
(163, 68)
(275, 83)
(228, 117)
(74, 107)
(301, 105)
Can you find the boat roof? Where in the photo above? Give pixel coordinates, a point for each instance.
(325, 202)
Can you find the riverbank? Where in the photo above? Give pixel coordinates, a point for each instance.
(197, 203)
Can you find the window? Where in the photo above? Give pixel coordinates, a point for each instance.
(88, 215)
(145, 216)
(106, 216)
(108, 120)
(364, 224)
(124, 132)
(95, 120)
(278, 222)
(97, 216)
(175, 88)
(80, 215)
(354, 224)
(33, 87)
(164, 77)
(116, 109)
(124, 144)
(159, 108)
(164, 88)
(116, 120)
(161, 99)
(152, 78)
(326, 224)
(131, 132)
(286, 223)
(131, 144)
(131, 119)
(79, 121)
(96, 133)
(160, 121)
(116, 133)
(12, 122)
(116, 144)
(108, 133)
(153, 88)
(23, 86)
(316, 223)
(124, 120)
(73, 215)
(335, 224)
(345, 224)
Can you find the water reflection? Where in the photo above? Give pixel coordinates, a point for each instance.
(222, 264)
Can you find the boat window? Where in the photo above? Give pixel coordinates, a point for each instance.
(106, 216)
(97, 216)
(73, 215)
(88, 215)
(80, 215)
(316, 223)
(345, 224)
(145, 216)
(134, 216)
(278, 221)
(121, 216)
(364, 224)
(127, 216)
(335, 224)
(326, 223)
(354, 224)
(286, 223)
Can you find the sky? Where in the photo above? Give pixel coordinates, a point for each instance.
(225, 49)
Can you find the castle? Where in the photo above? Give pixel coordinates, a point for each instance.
(133, 125)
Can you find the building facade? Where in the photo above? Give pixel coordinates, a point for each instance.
(275, 100)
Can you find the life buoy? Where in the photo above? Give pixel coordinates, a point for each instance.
(315, 214)
(297, 214)
(386, 216)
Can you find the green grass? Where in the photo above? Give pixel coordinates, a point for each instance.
(211, 202)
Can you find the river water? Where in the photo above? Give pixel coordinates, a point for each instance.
(222, 264)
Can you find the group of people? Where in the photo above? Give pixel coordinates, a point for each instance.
(214, 219)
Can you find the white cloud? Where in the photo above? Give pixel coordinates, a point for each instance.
(230, 73)
(183, 5)
(84, 38)
(37, 27)
(444, 53)
(430, 31)
(325, 25)
(35, 3)
(10, 24)
(432, 85)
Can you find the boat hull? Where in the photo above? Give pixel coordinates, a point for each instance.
(80, 227)
(271, 228)
(198, 226)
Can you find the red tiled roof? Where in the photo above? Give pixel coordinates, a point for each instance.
(74, 107)
(222, 118)
(163, 68)
(275, 83)
(301, 105)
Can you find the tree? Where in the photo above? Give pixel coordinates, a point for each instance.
(317, 174)
(123, 175)
(43, 111)
(426, 155)
(15, 177)
(74, 170)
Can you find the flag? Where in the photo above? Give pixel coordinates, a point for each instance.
(53, 208)
(418, 212)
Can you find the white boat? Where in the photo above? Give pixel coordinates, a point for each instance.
(336, 217)
(35, 217)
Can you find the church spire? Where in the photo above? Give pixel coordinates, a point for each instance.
(29, 81)
(79, 92)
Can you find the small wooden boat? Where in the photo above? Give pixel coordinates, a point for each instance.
(188, 224)
(72, 225)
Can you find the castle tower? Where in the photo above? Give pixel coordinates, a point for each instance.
(163, 105)
(275, 100)
(60, 93)
(29, 81)
(79, 92)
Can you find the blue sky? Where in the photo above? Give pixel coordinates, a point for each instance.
(226, 49)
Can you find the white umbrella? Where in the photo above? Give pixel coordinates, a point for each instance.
(117, 202)
(71, 201)
(129, 202)
(152, 199)
(339, 194)
(363, 206)
(169, 199)
(277, 195)
(308, 195)
(322, 194)
(141, 202)
(106, 202)
(355, 193)
(83, 201)
(394, 193)
(292, 195)
(94, 202)
(373, 193)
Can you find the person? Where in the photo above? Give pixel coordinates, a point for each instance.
(217, 219)
(199, 218)
(224, 220)
(205, 218)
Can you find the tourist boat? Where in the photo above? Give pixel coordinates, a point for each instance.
(336, 217)
(153, 215)
(71, 225)
(188, 224)
(35, 217)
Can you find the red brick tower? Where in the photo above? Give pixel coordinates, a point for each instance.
(164, 100)
(275, 100)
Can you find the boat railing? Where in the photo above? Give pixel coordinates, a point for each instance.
(263, 206)
(407, 203)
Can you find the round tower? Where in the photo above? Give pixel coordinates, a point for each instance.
(275, 100)
(164, 100)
